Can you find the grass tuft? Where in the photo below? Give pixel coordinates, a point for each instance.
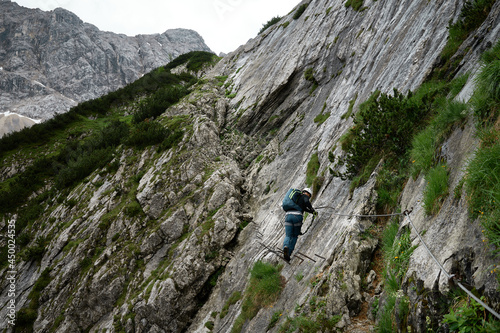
(263, 290)
(436, 190)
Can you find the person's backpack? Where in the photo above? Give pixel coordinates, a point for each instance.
(290, 200)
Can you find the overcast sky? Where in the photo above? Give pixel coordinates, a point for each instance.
(223, 24)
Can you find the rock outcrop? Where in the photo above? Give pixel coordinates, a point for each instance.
(50, 61)
(11, 122)
(162, 243)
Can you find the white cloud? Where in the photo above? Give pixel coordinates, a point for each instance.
(224, 24)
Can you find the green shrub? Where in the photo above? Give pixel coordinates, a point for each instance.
(300, 323)
(25, 319)
(157, 103)
(357, 5)
(76, 170)
(147, 133)
(195, 60)
(396, 253)
(309, 76)
(133, 209)
(388, 237)
(451, 113)
(386, 322)
(221, 80)
(426, 143)
(270, 23)
(469, 316)
(436, 189)
(300, 11)
(15, 191)
(36, 251)
(383, 126)
(77, 160)
(26, 216)
(365, 173)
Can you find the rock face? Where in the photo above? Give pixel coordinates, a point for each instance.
(50, 61)
(13, 122)
(162, 243)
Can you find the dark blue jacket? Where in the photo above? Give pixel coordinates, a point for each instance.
(305, 204)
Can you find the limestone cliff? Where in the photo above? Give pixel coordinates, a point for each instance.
(162, 239)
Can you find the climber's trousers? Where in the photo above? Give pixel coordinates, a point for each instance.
(293, 224)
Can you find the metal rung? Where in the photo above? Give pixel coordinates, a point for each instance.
(275, 252)
(302, 254)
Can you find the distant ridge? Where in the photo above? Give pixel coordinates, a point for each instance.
(11, 122)
(51, 60)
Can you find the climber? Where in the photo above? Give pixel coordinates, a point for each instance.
(295, 203)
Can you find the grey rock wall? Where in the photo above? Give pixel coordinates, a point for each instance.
(173, 266)
(13, 122)
(391, 44)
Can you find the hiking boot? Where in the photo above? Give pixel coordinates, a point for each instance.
(286, 254)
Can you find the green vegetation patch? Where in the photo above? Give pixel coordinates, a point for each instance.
(397, 253)
(270, 23)
(357, 5)
(235, 297)
(483, 187)
(383, 126)
(425, 144)
(321, 118)
(84, 139)
(263, 290)
(467, 315)
(471, 17)
(436, 190)
(482, 182)
(309, 76)
(312, 169)
(399, 128)
(26, 316)
(300, 11)
(486, 97)
(194, 60)
(351, 107)
(155, 104)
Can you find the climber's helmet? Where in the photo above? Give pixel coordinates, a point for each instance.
(307, 190)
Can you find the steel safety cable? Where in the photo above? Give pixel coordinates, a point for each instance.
(484, 305)
(360, 215)
(427, 248)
